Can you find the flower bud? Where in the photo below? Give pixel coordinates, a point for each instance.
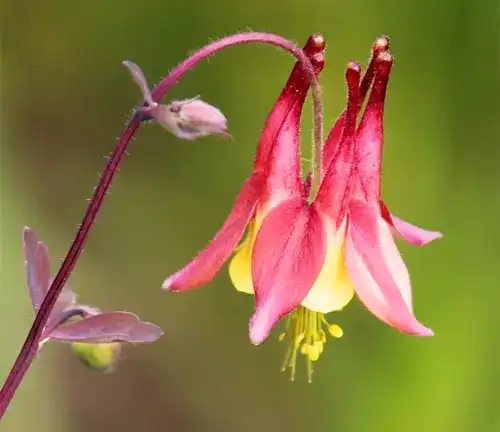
(190, 119)
(101, 357)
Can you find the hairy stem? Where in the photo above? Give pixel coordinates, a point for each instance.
(30, 347)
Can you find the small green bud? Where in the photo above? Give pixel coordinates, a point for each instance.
(101, 357)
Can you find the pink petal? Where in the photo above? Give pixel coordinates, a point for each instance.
(205, 266)
(293, 94)
(377, 270)
(406, 231)
(338, 179)
(108, 327)
(37, 267)
(288, 255)
(371, 131)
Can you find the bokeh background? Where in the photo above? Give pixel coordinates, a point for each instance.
(65, 97)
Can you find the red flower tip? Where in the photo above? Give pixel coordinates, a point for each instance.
(381, 44)
(315, 43)
(352, 76)
(314, 49)
(333, 140)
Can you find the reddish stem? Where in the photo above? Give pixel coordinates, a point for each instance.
(30, 347)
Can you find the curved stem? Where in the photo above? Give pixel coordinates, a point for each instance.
(30, 347)
(246, 38)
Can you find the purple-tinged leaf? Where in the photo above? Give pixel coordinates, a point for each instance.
(108, 327)
(38, 276)
(37, 267)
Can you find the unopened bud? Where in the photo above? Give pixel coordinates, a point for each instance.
(101, 357)
(191, 119)
(187, 119)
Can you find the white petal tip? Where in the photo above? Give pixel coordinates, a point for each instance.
(259, 328)
(418, 330)
(156, 333)
(436, 235)
(427, 332)
(167, 285)
(256, 339)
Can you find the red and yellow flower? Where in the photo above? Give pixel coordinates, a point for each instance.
(308, 250)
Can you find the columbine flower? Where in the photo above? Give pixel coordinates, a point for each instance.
(96, 336)
(188, 119)
(308, 251)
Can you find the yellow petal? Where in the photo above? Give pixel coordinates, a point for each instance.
(240, 267)
(333, 288)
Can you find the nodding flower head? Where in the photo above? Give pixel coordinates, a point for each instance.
(96, 336)
(187, 119)
(313, 244)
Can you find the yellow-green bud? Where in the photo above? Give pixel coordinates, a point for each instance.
(101, 357)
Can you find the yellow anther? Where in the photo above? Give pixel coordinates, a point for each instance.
(282, 337)
(320, 346)
(336, 331)
(314, 351)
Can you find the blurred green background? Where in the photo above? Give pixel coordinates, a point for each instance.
(65, 97)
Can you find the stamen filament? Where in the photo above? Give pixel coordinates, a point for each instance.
(305, 332)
